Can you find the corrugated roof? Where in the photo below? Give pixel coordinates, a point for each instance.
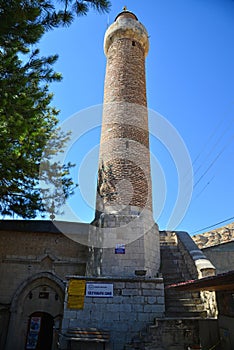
(224, 282)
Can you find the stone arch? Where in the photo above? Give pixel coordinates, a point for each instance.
(42, 292)
(36, 279)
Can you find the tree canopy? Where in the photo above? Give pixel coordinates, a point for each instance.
(28, 122)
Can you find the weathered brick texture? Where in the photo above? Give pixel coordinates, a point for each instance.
(124, 148)
(125, 73)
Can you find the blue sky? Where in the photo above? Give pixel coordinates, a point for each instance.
(190, 82)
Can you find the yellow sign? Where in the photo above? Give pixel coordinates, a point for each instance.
(76, 292)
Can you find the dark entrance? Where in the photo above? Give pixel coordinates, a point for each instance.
(40, 331)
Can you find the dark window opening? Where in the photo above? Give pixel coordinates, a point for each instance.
(133, 43)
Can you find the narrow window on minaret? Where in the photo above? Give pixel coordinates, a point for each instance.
(133, 43)
(127, 144)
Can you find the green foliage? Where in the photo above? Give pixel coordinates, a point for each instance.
(28, 123)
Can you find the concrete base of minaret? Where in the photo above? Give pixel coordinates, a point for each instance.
(124, 243)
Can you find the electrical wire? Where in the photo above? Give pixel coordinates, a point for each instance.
(213, 162)
(218, 223)
(213, 133)
(207, 141)
(214, 146)
(203, 189)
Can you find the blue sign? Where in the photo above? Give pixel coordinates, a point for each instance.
(120, 249)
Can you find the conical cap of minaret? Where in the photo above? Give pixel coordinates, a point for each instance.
(126, 25)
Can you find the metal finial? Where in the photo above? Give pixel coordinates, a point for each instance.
(125, 8)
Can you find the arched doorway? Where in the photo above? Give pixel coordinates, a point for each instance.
(40, 296)
(40, 331)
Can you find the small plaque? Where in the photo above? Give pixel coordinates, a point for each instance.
(44, 295)
(120, 249)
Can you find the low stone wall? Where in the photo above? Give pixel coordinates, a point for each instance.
(136, 302)
(199, 266)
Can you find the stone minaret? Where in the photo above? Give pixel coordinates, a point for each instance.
(124, 220)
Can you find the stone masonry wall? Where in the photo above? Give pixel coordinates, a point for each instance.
(199, 266)
(135, 304)
(32, 253)
(23, 254)
(140, 237)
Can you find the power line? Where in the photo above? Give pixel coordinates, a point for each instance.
(216, 129)
(212, 149)
(207, 141)
(218, 223)
(213, 162)
(203, 189)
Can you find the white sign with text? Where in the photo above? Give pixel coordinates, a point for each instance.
(99, 290)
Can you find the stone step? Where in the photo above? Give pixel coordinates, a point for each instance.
(168, 280)
(172, 260)
(171, 274)
(187, 308)
(171, 251)
(169, 248)
(170, 263)
(172, 294)
(177, 302)
(181, 295)
(168, 256)
(165, 243)
(182, 315)
(169, 268)
(182, 301)
(175, 270)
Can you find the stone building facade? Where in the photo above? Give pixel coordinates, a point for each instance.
(34, 261)
(215, 237)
